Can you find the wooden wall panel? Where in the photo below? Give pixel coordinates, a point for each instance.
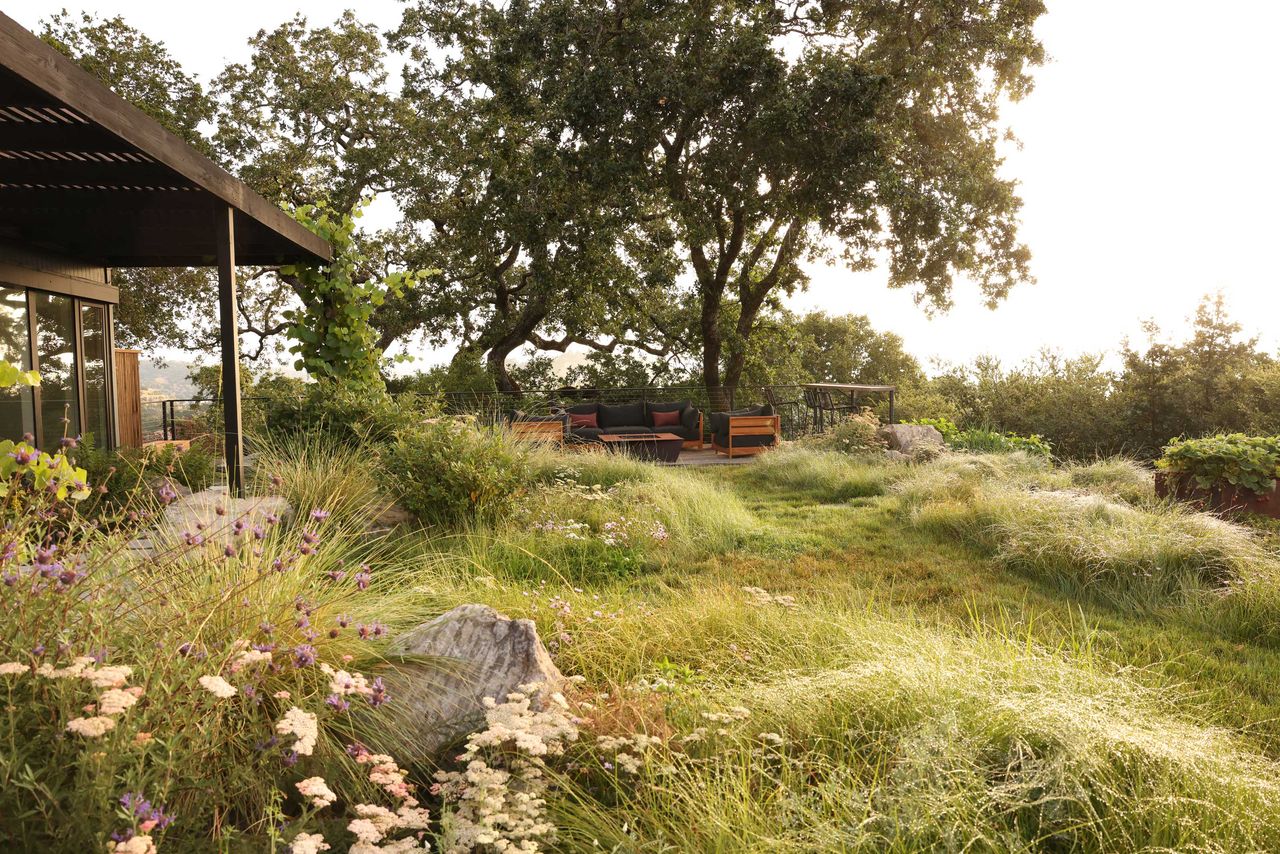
(128, 399)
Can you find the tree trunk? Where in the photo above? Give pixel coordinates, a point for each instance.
(712, 347)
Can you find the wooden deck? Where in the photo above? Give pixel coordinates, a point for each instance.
(707, 457)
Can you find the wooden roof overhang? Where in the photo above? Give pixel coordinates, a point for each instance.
(85, 174)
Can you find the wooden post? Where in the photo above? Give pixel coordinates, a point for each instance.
(128, 399)
(228, 318)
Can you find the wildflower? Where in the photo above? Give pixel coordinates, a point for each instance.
(378, 693)
(249, 657)
(149, 817)
(304, 655)
(265, 628)
(319, 515)
(310, 537)
(111, 676)
(92, 727)
(770, 738)
(166, 493)
(318, 791)
(336, 575)
(114, 701)
(308, 843)
(229, 550)
(337, 703)
(282, 695)
(13, 668)
(362, 579)
(141, 844)
(142, 738)
(366, 832)
(218, 686)
(290, 758)
(303, 726)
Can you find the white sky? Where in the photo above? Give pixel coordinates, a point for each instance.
(1148, 169)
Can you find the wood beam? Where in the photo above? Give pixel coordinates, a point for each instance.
(225, 234)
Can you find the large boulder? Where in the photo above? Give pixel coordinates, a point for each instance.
(465, 655)
(907, 438)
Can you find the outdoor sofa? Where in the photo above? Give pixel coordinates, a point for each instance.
(589, 421)
(744, 432)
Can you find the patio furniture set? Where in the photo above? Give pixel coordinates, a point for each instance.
(653, 430)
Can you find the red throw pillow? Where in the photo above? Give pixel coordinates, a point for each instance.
(666, 419)
(585, 419)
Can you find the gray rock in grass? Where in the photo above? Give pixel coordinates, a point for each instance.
(467, 654)
(907, 438)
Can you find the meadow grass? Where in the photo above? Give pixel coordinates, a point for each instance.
(981, 653)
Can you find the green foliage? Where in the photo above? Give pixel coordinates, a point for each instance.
(855, 433)
(332, 336)
(349, 415)
(1246, 462)
(451, 473)
(129, 479)
(985, 440)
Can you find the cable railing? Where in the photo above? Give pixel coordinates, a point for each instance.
(795, 408)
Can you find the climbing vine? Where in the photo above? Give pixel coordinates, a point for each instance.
(333, 338)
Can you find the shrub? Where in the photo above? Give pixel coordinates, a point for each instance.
(318, 470)
(349, 415)
(450, 472)
(128, 478)
(853, 434)
(1246, 462)
(986, 440)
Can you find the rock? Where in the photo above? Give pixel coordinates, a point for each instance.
(475, 653)
(182, 516)
(906, 438)
(897, 457)
(390, 516)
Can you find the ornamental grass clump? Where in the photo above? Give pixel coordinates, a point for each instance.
(901, 736)
(828, 475)
(215, 680)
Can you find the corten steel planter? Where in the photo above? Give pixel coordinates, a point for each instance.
(1220, 499)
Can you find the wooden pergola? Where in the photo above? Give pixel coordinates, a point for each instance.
(87, 177)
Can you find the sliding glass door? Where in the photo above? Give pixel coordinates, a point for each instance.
(68, 341)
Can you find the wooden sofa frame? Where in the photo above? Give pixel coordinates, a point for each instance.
(749, 425)
(538, 431)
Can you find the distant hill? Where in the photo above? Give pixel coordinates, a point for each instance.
(167, 382)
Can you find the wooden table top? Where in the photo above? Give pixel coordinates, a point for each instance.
(640, 437)
(851, 387)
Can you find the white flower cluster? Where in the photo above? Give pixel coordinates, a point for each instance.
(318, 791)
(218, 687)
(628, 750)
(343, 683)
(113, 701)
(303, 726)
(498, 798)
(760, 596)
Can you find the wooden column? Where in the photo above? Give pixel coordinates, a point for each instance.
(229, 320)
(128, 408)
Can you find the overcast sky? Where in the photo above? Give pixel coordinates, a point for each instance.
(1148, 169)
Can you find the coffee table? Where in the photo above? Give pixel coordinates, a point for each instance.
(660, 447)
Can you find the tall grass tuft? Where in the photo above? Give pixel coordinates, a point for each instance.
(826, 475)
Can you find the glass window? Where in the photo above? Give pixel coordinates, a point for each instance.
(93, 350)
(56, 361)
(17, 406)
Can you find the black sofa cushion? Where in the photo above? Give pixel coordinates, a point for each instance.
(622, 415)
(586, 434)
(582, 408)
(722, 440)
(670, 406)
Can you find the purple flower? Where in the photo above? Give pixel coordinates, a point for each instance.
(310, 537)
(220, 510)
(337, 703)
(266, 628)
(45, 555)
(336, 575)
(185, 649)
(305, 549)
(258, 533)
(10, 579)
(362, 579)
(378, 693)
(276, 480)
(265, 647)
(24, 456)
(290, 758)
(67, 443)
(304, 655)
(10, 551)
(273, 519)
(279, 565)
(166, 494)
(38, 650)
(266, 745)
(144, 811)
(229, 550)
(343, 620)
(302, 622)
(319, 515)
(356, 750)
(194, 539)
